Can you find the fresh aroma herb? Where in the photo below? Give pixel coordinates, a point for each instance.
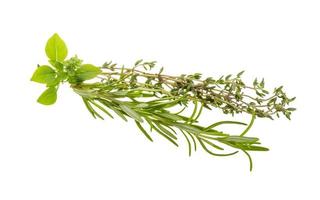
(152, 99)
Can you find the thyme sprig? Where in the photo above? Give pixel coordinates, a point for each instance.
(229, 93)
(152, 98)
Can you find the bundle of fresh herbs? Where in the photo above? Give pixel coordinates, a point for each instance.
(157, 102)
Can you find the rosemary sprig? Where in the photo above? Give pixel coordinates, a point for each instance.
(149, 98)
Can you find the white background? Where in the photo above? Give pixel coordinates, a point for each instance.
(61, 152)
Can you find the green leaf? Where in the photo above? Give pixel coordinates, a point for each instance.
(56, 64)
(109, 105)
(55, 82)
(253, 117)
(211, 144)
(56, 49)
(250, 159)
(143, 131)
(101, 108)
(161, 133)
(87, 72)
(49, 96)
(44, 74)
(193, 140)
(291, 109)
(188, 141)
(256, 148)
(138, 62)
(240, 139)
(131, 112)
(170, 116)
(165, 131)
(189, 128)
(212, 153)
(240, 73)
(194, 111)
(90, 108)
(142, 105)
(223, 122)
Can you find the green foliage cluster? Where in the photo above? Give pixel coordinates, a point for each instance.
(61, 70)
(150, 98)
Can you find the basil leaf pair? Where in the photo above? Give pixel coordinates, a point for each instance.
(57, 51)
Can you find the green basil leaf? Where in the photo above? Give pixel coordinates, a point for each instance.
(56, 64)
(56, 81)
(56, 49)
(87, 71)
(49, 96)
(44, 74)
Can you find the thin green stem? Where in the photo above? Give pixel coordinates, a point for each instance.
(249, 126)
